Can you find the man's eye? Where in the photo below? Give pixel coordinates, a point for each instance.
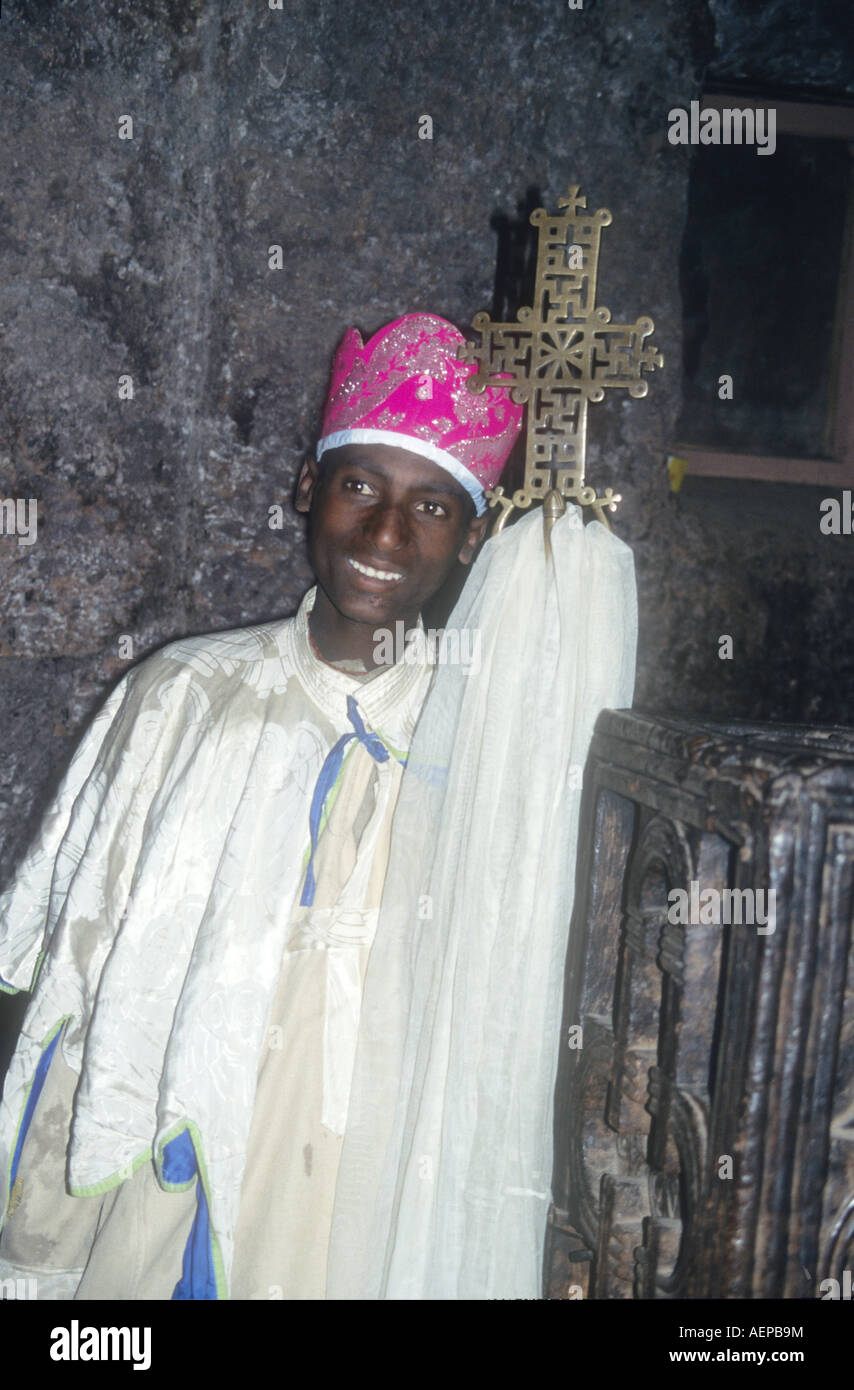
(358, 485)
(433, 508)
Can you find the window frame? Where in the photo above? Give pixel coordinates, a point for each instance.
(836, 469)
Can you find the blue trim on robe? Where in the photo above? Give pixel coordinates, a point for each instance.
(198, 1275)
(32, 1101)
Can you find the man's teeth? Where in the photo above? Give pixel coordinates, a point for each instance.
(375, 574)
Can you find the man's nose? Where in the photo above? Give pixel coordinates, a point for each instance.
(387, 526)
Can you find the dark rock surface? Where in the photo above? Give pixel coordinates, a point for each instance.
(149, 257)
(784, 43)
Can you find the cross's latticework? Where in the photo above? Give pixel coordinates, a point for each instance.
(562, 354)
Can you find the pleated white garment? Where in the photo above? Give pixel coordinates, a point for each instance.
(444, 1182)
(158, 908)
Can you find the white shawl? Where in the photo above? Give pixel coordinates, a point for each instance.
(444, 1184)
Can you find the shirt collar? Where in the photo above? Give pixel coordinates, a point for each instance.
(389, 690)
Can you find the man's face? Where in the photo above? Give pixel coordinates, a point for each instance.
(386, 528)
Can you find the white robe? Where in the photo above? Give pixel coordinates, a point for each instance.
(444, 1179)
(163, 892)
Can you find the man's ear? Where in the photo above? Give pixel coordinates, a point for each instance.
(474, 536)
(306, 483)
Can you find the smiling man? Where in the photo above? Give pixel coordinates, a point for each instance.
(196, 915)
(386, 527)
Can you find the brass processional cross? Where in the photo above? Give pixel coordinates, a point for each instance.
(561, 354)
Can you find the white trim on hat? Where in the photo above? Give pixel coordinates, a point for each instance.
(463, 476)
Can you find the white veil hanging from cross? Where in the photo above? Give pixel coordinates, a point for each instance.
(444, 1184)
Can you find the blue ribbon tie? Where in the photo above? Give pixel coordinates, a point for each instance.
(326, 780)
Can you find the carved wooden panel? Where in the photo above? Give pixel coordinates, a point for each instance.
(704, 1127)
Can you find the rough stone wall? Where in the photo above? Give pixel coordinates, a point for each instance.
(784, 44)
(148, 257)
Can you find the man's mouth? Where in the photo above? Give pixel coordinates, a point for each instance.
(388, 576)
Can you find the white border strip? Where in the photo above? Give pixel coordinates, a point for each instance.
(415, 445)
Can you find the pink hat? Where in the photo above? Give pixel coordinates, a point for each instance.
(406, 386)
